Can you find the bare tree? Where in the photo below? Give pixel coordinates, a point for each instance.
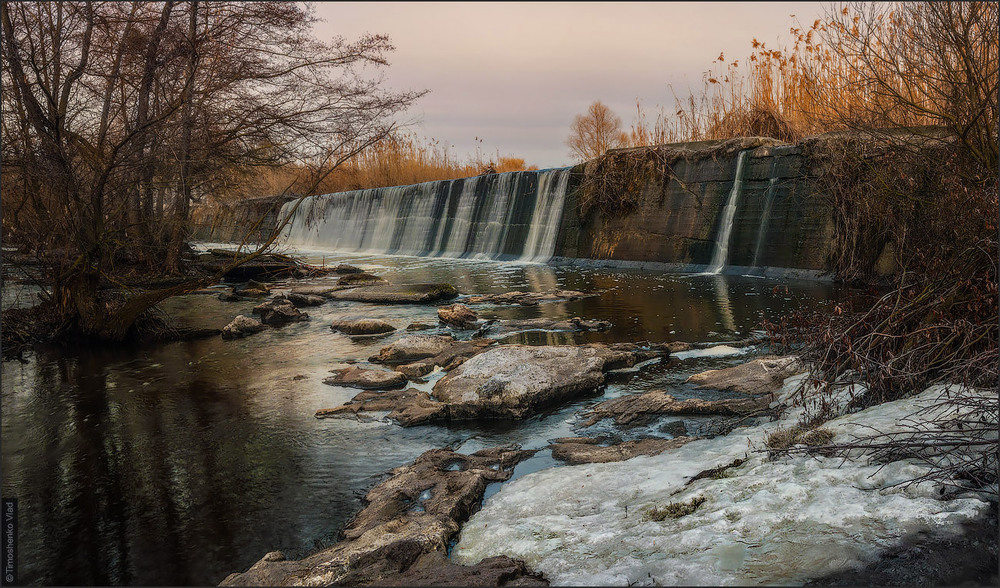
(106, 104)
(593, 133)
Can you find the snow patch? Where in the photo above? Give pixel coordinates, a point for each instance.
(767, 522)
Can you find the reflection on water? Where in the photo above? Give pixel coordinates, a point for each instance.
(181, 463)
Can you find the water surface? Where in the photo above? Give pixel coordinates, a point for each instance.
(178, 464)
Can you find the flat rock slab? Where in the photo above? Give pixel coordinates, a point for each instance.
(497, 382)
(415, 512)
(355, 377)
(362, 327)
(527, 298)
(515, 381)
(412, 348)
(324, 291)
(405, 294)
(576, 324)
(583, 452)
(434, 569)
(637, 409)
(760, 376)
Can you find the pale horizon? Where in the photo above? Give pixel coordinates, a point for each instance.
(507, 75)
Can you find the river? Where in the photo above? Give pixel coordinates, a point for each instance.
(180, 463)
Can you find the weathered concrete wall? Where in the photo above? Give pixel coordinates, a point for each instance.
(251, 219)
(782, 218)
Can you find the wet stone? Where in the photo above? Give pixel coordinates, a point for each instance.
(389, 536)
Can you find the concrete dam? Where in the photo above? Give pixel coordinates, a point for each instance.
(749, 206)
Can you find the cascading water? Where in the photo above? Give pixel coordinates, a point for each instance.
(765, 217)
(728, 214)
(513, 215)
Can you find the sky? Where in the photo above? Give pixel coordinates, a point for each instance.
(509, 77)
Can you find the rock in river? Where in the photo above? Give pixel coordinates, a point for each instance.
(278, 312)
(417, 355)
(404, 294)
(759, 376)
(636, 409)
(408, 522)
(528, 298)
(584, 451)
(241, 326)
(515, 381)
(362, 327)
(458, 315)
(355, 377)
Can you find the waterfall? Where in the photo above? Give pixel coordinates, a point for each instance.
(765, 218)
(513, 215)
(728, 214)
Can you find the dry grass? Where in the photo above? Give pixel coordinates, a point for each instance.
(398, 160)
(674, 510)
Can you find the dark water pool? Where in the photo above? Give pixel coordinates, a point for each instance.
(181, 463)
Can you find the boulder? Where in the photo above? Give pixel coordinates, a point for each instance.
(637, 409)
(279, 312)
(412, 348)
(300, 300)
(419, 326)
(515, 381)
(355, 377)
(362, 327)
(576, 452)
(417, 511)
(458, 315)
(404, 294)
(760, 376)
(241, 326)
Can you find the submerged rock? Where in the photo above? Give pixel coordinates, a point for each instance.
(362, 327)
(252, 288)
(577, 452)
(419, 326)
(355, 377)
(415, 512)
(404, 294)
(279, 312)
(241, 326)
(527, 298)
(457, 315)
(759, 376)
(636, 409)
(347, 269)
(507, 327)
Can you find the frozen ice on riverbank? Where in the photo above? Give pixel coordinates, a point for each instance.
(769, 522)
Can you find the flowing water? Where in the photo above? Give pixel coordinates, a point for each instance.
(181, 463)
(721, 253)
